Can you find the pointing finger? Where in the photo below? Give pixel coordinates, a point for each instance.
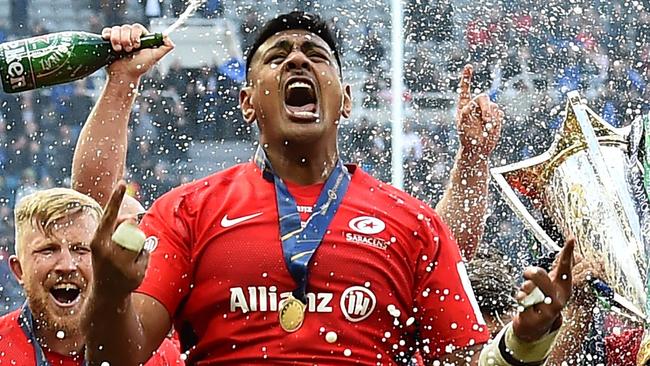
(565, 265)
(465, 85)
(113, 207)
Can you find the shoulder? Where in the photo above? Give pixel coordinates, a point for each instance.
(410, 222)
(195, 191)
(13, 342)
(391, 201)
(9, 322)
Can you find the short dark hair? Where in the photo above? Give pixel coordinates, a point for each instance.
(490, 274)
(295, 20)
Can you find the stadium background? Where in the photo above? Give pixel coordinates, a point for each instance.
(186, 123)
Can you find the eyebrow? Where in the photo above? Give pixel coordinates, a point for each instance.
(287, 45)
(282, 44)
(310, 45)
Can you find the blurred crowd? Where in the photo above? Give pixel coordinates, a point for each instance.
(526, 55)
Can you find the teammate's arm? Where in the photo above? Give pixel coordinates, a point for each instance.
(464, 204)
(121, 327)
(100, 153)
(529, 338)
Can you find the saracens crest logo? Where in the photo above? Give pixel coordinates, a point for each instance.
(365, 228)
(367, 225)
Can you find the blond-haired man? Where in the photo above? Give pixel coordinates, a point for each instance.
(54, 228)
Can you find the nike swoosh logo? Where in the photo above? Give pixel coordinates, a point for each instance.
(226, 222)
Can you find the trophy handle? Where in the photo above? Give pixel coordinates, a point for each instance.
(512, 199)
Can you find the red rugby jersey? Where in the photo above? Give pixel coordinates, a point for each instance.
(16, 348)
(387, 278)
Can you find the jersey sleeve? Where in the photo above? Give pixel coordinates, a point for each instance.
(447, 311)
(168, 354)
(168, 275)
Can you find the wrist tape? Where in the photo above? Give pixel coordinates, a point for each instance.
(508, 350)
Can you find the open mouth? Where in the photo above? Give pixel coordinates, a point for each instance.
(300, 99)
(65, 294)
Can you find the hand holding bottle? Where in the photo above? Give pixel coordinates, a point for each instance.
(126, 39)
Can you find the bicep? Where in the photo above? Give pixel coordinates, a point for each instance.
(154, 319)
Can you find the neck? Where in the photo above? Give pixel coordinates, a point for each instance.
(70, 345)
(303, 167)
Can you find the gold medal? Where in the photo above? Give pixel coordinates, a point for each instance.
(292, 314)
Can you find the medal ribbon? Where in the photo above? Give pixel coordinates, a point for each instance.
(26, 321)
(299, 244)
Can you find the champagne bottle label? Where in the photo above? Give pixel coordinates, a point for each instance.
(19, 74)
(28, 61)
(49, 54)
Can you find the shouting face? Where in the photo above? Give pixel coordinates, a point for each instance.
(295, 92)
(55, 270)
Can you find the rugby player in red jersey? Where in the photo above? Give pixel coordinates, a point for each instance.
(54, 228)
(53, 263)
(294, 258)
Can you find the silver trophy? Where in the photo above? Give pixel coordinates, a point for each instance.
(590, 184)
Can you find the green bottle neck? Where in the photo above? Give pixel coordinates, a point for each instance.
(152, 40)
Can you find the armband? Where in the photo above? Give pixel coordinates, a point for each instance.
(508, 350)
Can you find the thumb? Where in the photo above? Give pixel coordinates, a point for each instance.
(166, 48)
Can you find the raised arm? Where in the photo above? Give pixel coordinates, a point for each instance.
(530, 337)
(463, 206)
(121, 327)
(100, 153)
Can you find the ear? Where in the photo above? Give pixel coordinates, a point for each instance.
(246, 104)
(16, 268)
(346, 109)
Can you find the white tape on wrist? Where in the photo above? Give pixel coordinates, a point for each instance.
(129, 236)
(534, 298)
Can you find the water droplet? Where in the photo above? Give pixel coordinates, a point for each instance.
(347, 352)
(331, 337)
(60, 334)
(267, 92)
(393, 311)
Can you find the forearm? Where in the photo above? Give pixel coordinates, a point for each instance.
(113, 332)
(575, 329)
(463, 206)
(100, 153)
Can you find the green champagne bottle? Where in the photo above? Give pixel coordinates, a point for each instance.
(58, 58)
